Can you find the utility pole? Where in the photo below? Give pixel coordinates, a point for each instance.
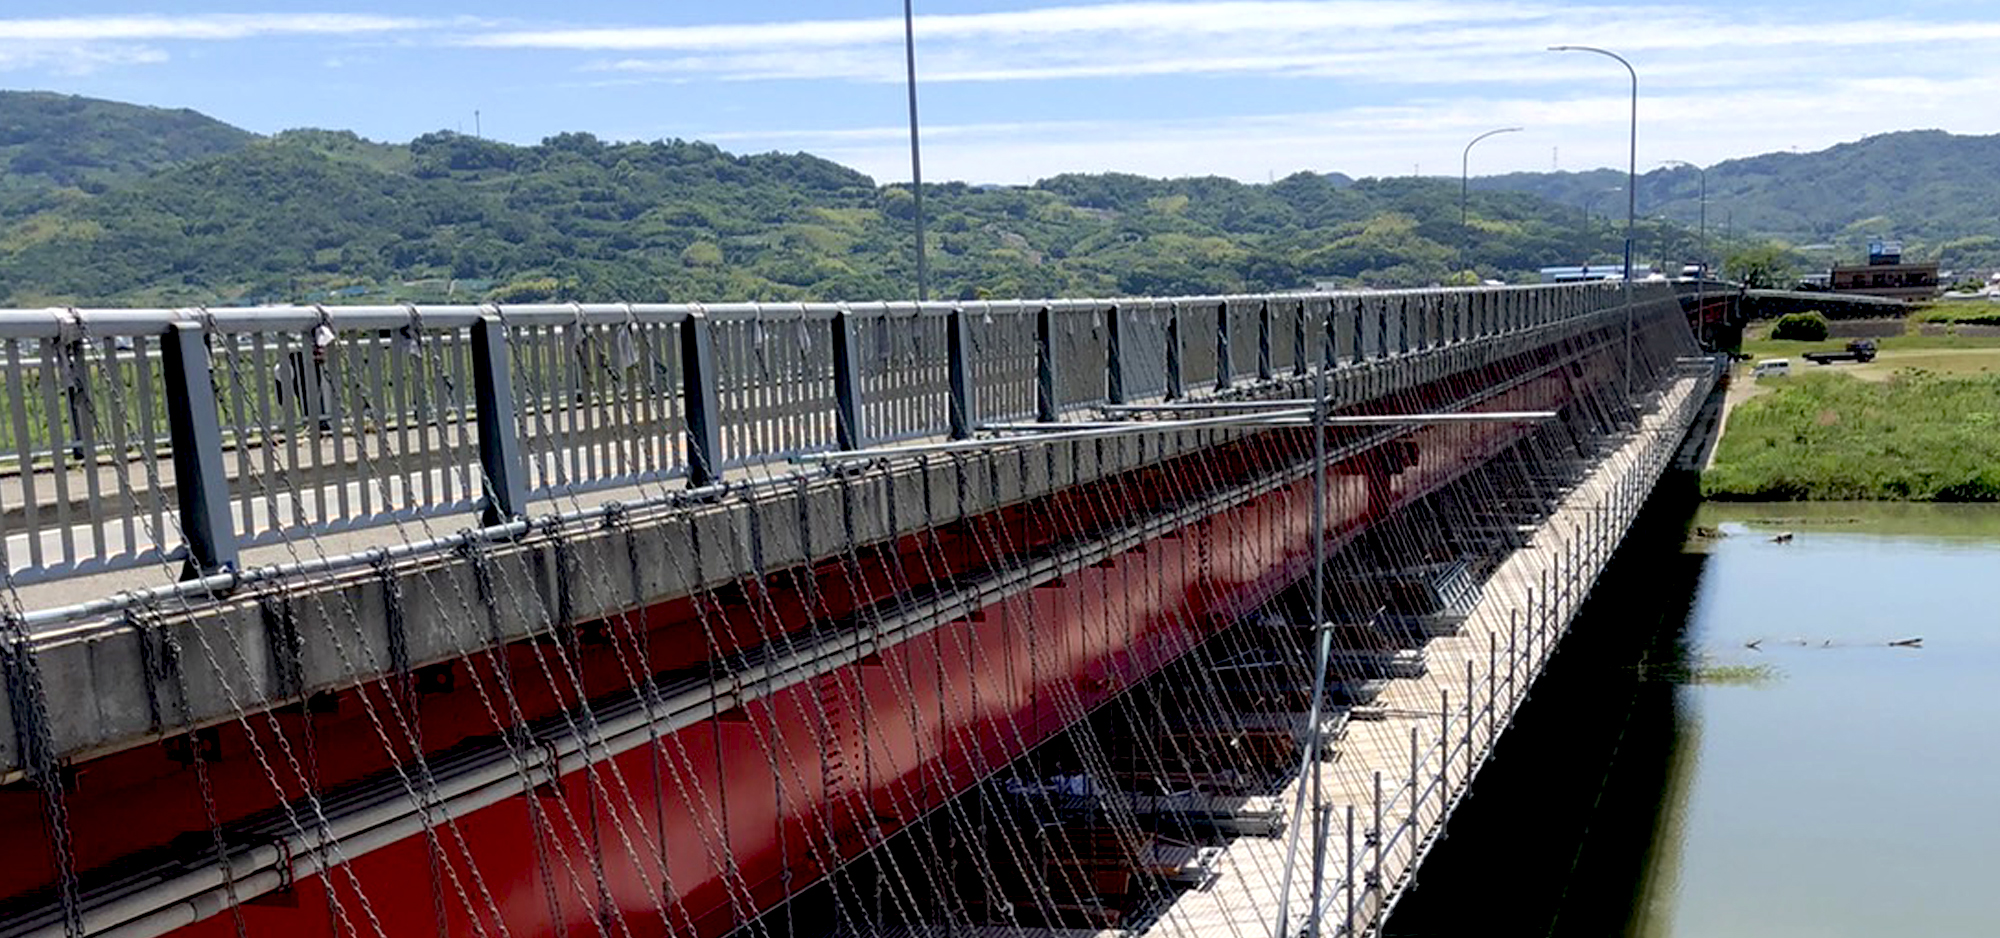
(916, 149)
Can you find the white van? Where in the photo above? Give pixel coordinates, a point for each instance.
(1772, 368)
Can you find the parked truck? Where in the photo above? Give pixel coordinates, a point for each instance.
(1859, 350)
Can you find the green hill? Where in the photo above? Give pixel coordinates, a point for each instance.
(53, 140)
(1938, 192)
(323, 216)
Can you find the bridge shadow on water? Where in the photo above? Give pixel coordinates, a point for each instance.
(1571, 829)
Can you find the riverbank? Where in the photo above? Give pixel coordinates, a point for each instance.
(1920, 423)
(1913, 436)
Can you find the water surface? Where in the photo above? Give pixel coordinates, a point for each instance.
(1852, 792)
(1728, 745)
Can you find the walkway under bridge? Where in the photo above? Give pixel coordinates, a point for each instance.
(1189, 615)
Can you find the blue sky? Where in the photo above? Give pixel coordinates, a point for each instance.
(1016, 90)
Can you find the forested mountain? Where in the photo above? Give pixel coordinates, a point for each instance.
(1938, 192)
(327, 216)
(111, 204)
(50, 140)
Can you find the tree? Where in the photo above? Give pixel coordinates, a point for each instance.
(1762, 266)
(1800, 327)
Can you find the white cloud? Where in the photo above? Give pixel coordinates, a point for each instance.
(73, 60)
(1404, 84)
(200, 26)
(1424, 135)
(81, 45)
(1188, 22)
(1378, 41)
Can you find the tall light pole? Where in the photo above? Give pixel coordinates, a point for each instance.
(1465, 189)
(1701, 284)
(1631, 196)
(916, 150)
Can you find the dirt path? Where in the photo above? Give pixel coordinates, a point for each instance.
(1741, 388)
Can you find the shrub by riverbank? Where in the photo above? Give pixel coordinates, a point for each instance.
(1916, 436)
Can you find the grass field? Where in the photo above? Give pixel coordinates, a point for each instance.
(1940, 354)
(1830, 434)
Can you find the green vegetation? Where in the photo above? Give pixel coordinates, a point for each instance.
(1760, 266)
(1938, 192)
(1800, 327)
(1961, 313)
(113, 204)
(1915, 436)
(326, 216)
(1734, 675)
(53, 141)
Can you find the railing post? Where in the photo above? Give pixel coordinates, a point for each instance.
(200, 481)
(1330, 336)
(1301, 353)
(499, 441)
(1264, 341)
(849, 414)
(1513, 656)
(1347, 926)
(1114, 355)
(1376, 839)
(701, 401)
(958, 344)
(1466, 729)
(1223, 376)
(1415, 804)
(1317, 900)
(1176, 385)
(1444, 749)
(1046, 410)
(1382, 329)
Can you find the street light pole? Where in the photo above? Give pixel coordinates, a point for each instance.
(1465, 189)
(916, 151)
(1631, 196)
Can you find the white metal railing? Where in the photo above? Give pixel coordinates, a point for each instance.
(137, 437)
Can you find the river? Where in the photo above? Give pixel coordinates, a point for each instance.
(1727, 744)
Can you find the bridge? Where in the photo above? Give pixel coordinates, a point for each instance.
(1151, 616)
